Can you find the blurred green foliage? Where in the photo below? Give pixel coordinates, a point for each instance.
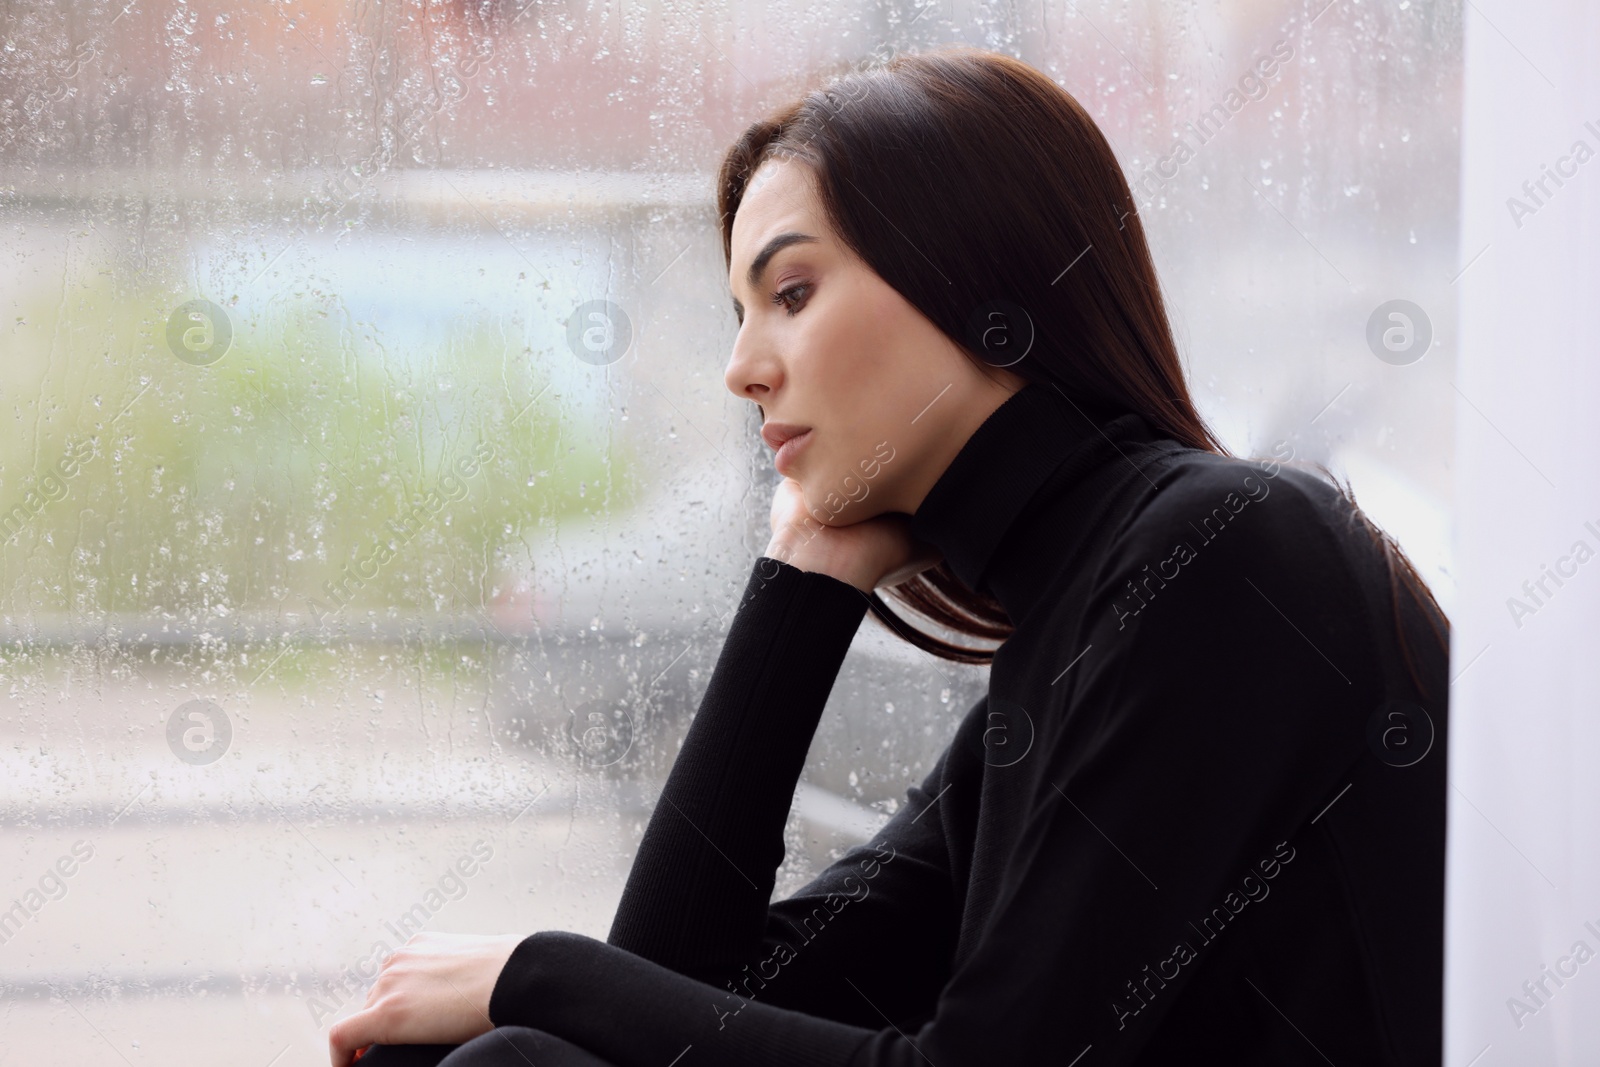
(250, 484)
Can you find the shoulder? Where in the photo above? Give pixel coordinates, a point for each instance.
(1223, 507)
(1226, 552)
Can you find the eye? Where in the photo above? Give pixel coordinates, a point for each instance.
(783, 297)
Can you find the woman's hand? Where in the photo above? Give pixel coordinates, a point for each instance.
(433, 991)
(877, 551)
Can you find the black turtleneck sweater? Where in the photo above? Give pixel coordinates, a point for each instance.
(1200, 814)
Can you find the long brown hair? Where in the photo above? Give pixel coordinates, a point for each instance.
(1046, 224)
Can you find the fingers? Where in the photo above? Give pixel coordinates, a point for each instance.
(384, 1014)
(383, 1021)
(782, 503)
(366, 1027)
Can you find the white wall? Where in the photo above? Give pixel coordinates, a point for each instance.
(1524, 844)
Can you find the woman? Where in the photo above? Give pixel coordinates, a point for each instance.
(1200, 812)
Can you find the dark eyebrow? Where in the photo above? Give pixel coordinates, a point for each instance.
(758, 265)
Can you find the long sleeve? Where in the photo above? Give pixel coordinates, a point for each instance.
(697, 896)
(864, 945)
(1183, 770)
(636, 1013)
(1198, 739)
(885, 914)
(696, 902)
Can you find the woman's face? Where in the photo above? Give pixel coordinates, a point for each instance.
(825, 343)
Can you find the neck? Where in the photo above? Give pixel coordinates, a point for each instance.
(987, 396)
(1017, 500)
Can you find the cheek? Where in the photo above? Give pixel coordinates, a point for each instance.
(887, 329)
(847, 346)
(844, 384)
(869, 369)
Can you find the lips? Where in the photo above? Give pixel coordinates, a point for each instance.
(789, 441)
(776, 433)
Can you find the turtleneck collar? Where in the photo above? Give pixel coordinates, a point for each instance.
(1006, 503)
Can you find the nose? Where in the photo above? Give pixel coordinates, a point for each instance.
(750, 375)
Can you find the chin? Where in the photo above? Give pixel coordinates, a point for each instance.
(817, 506)
(828, 512)
(847, 498)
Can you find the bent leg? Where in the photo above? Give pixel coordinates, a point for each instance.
(518, 1046)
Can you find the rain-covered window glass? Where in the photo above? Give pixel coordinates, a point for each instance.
(372, 505)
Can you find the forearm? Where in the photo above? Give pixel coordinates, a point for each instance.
(574, 987)
(696, 897)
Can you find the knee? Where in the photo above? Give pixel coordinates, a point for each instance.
(516, 1046)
